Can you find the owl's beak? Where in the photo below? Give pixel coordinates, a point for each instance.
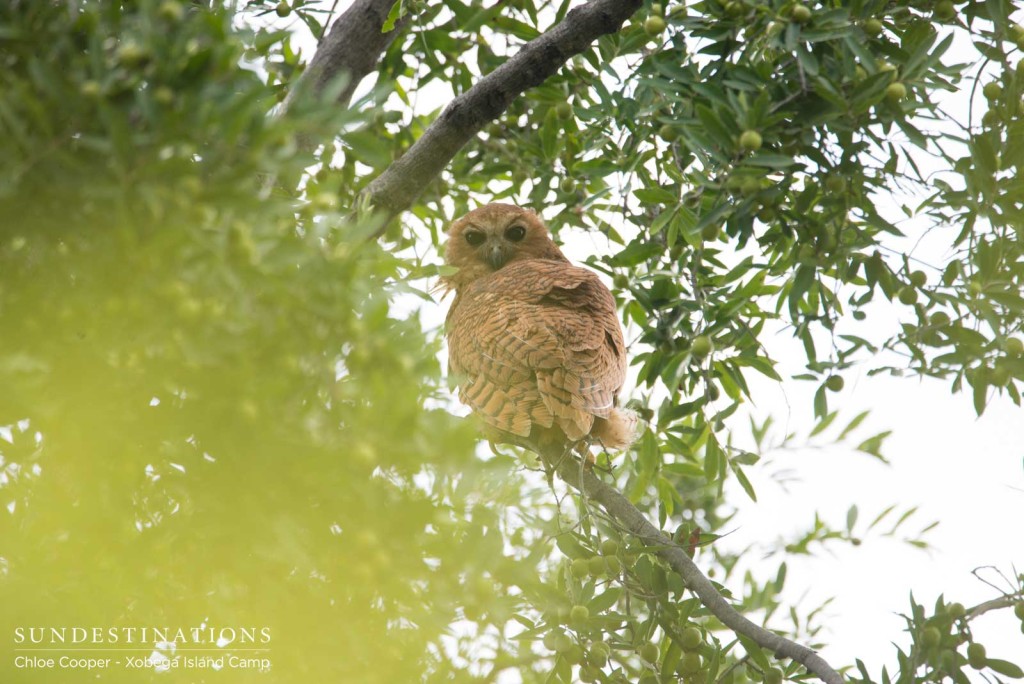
(497, 255)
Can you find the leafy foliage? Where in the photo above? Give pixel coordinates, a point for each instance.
(220, 404)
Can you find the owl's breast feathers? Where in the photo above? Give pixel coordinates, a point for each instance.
(538, 344)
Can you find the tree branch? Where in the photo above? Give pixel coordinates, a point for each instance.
(627, 515)
(352, 47)
(399, 185)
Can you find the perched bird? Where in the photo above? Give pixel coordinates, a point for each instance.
(534, 342)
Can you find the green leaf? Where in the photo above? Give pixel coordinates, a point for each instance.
(1005, 668)
(873, 445)
(744, 482)
(551, 135)
(858, 419)
(604, 600)
(851, 518)
(824, 423)
(397, 12)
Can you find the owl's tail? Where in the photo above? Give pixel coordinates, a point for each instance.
(621, 428)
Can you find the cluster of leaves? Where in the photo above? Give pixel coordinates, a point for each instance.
(943, 646)
(735, 152)
(211, 411)
(213, 387)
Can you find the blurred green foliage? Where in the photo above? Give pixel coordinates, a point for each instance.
(218, 405)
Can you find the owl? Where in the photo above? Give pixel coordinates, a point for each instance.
(534, 342)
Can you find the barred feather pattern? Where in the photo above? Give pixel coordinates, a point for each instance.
(537, 345)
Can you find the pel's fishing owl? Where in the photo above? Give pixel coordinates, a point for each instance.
(534, 342)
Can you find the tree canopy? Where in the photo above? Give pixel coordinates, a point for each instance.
(222, 405)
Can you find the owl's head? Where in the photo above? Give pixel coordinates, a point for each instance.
(488, 238)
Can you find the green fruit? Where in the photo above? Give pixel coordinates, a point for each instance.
(90, 89)
(564, 110)
(886, 66)
(550, 640)
(1000, 375)
(918, 278)
(956, 610)
(656, 8)
(835, 183)
(597, 567)
(580, 568)
(609, 547)
(702, 346)
(751, 186)
(573, 655)
(710, 232)
(835, 383)
(579, 615)
(691, 638)
(773, 676)
(872, 27)
(976, 656)
(944, 10)
(750, 141)
(668, 133)
(734, 8)
(283, 9)
(807, 254)
(163, 95)
(1018, 610)
(940, 319)
(563, 642)
(649, 652)
(599, 653)
(931, 637)
(170, 10)
(800, 14)
(132, 54)
(654, 26)
(896, 91)
(689, 664)
(992, 90)
(614, 565)
(589, 674)
(567, 185)
(907, 295)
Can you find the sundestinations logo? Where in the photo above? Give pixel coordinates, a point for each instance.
(221, 636)
(141, 648)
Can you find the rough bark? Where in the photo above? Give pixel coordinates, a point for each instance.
(398, 186)
(352, 47)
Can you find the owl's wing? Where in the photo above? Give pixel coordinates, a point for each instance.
(537, 343)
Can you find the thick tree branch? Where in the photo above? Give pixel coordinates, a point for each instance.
(627, 515)
(352, 47)
(399, 185)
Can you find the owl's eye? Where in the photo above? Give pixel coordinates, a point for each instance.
(475, 237)
(515, 233)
